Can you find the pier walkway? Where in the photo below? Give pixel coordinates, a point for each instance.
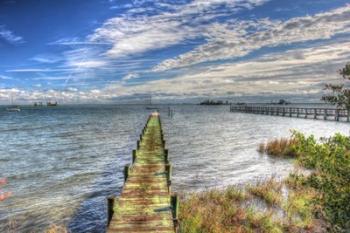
(331, 114)
(146, 203)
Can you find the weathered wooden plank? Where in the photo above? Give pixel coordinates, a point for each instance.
(146, 204)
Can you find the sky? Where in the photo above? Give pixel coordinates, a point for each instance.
(110, 51)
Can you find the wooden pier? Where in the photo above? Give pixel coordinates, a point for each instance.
(146, 203)
(306, 113)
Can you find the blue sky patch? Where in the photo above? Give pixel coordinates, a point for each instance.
(104, 50)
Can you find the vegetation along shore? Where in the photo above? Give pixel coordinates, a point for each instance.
(313, 201)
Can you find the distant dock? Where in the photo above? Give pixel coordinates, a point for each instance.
(299, 112)
(146, 203)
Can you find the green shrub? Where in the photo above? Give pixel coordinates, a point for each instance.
(330, 160)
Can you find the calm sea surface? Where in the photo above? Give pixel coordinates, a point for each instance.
(62, 163)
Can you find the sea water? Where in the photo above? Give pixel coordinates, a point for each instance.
(62, 162)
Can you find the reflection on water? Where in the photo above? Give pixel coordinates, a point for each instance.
(62, 162)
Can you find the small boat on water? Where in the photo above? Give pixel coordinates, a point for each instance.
(51, 104)
(13, 109)
(38, 104)
(151, 107)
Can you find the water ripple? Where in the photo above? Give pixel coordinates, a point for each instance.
(62, 163)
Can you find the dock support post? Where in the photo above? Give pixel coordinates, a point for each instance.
(166, 156)
(336, 114)
(175, 207)
(133, 156)
(110, 210)
(168, 170)
(325, 114)
(126, 172)
(347, 115)
(315, 113)
(175, 203)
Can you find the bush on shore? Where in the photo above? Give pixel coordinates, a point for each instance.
(235, 209)
(283, 147)
(318, 202)
(221, 211)
(329, 160)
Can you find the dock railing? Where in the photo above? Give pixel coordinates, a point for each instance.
(333, 114)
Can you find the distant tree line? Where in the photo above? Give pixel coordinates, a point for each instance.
(213, 102)
(338, 94)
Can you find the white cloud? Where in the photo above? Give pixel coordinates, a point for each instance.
(130, 76)
(37, 70)
(9, 36)
(294, 72)
(130, 37)
(75, 41)
(299, 71)
(88, 64)
(51, 78)
(239, 38)
(133, 34)
(4, 77)
(47, 58)
(125, 6)
(72, 89)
